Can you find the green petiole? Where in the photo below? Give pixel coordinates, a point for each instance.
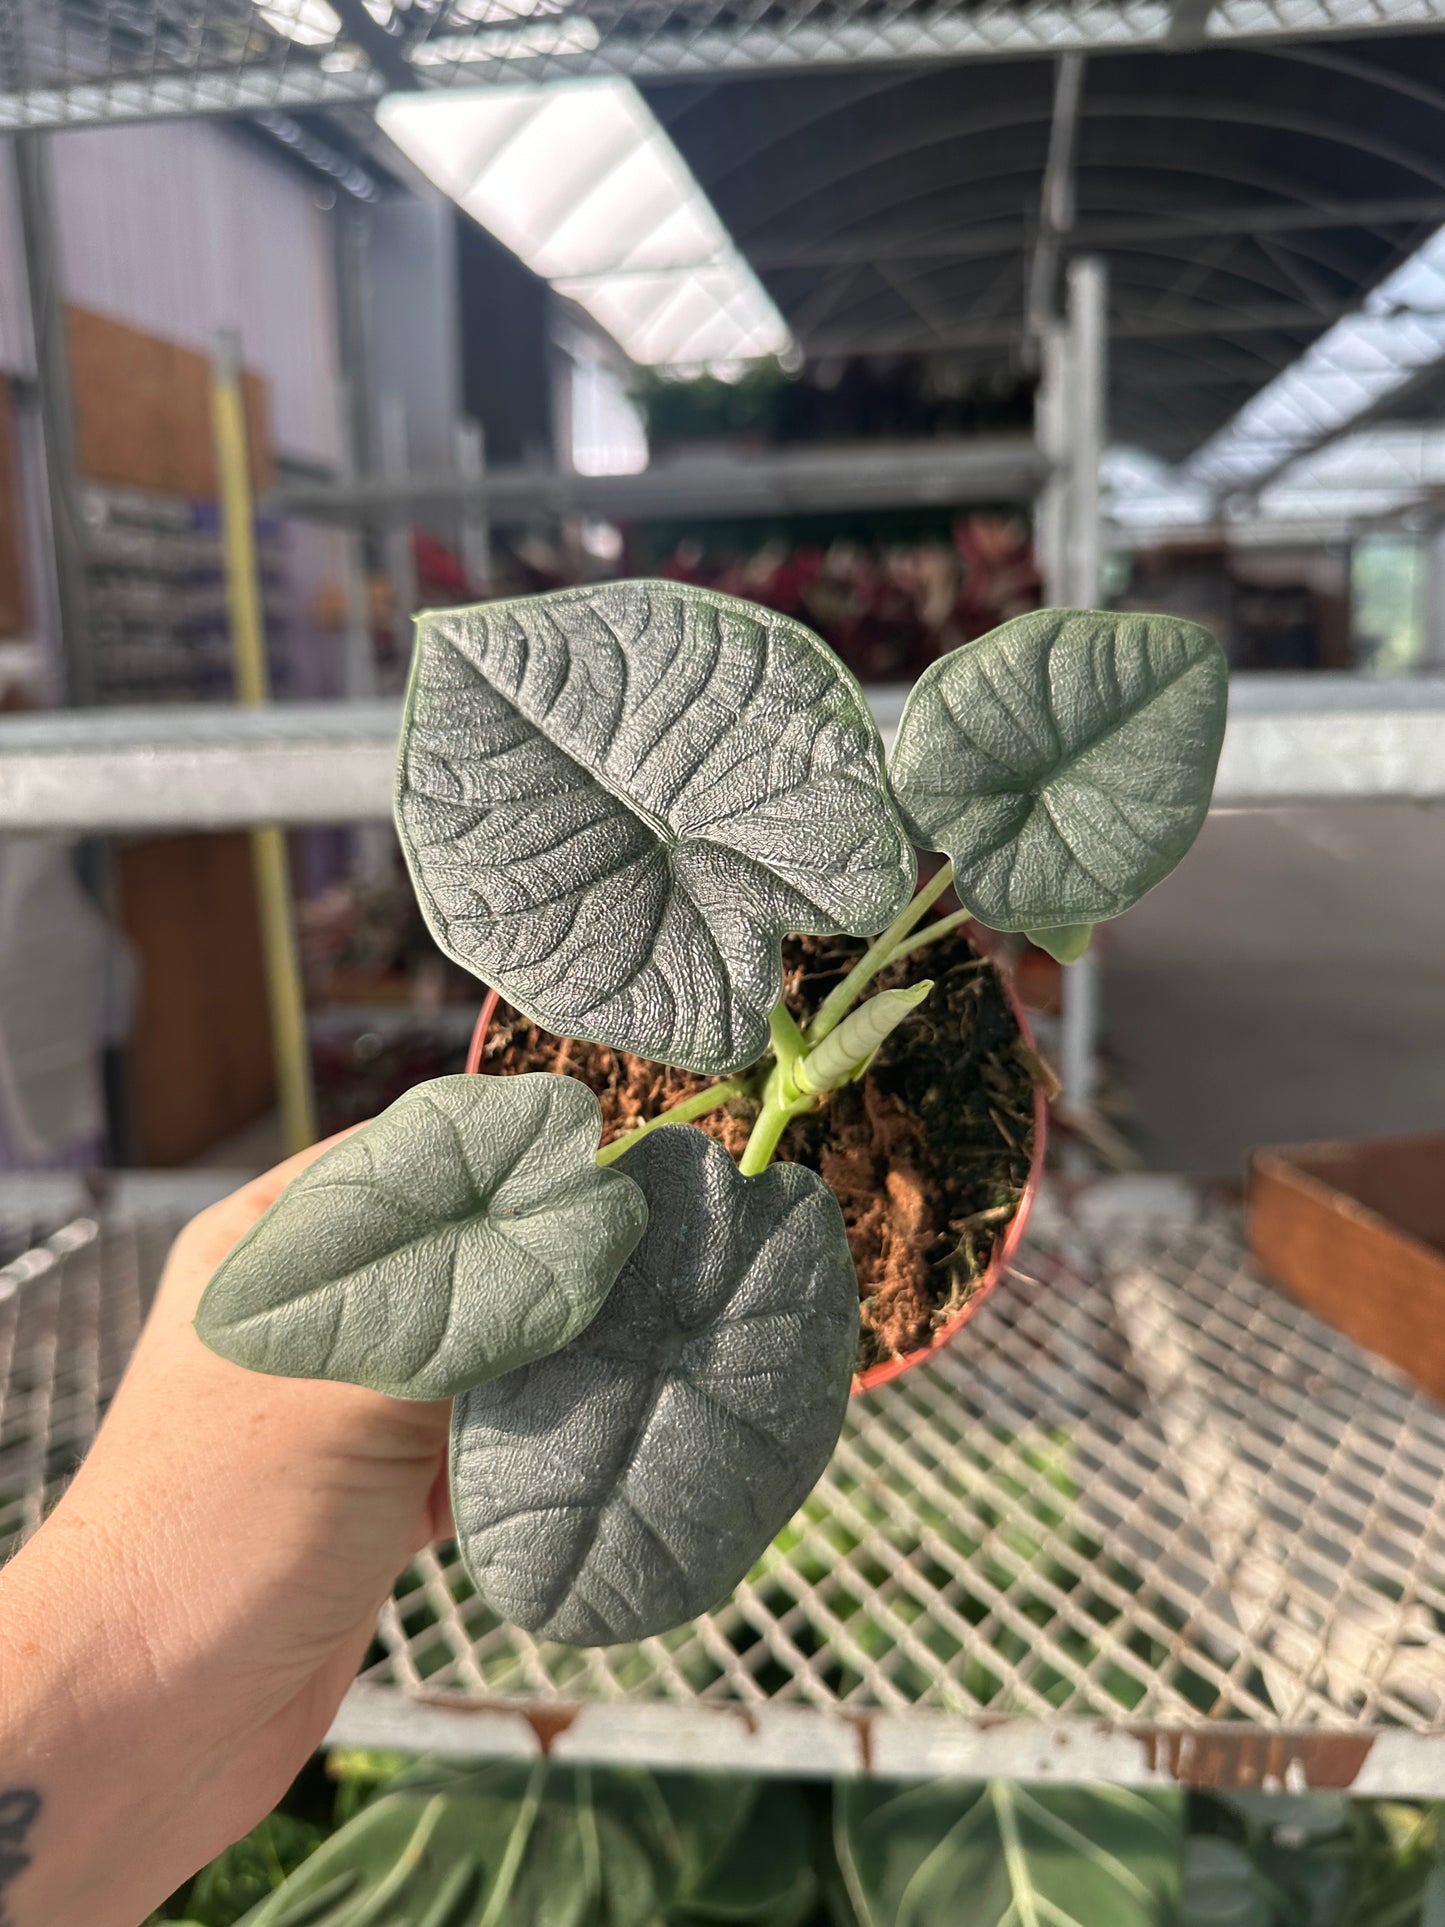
(879, 954)
(711, 1097)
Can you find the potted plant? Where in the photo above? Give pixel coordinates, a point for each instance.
(629, 808)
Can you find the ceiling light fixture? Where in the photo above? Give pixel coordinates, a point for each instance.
(582, 183)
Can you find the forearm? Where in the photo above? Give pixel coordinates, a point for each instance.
(109, 1789)
(175, 1639)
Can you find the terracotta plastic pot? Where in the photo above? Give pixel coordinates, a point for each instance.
(1003, 1255)
(1003, 1252)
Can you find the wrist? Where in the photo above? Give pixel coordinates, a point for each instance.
(95, 1746)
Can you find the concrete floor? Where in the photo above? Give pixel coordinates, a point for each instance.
(1286, 983)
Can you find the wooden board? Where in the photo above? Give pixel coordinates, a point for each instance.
(1356, 1231)
(200, 1059)
(143, 410)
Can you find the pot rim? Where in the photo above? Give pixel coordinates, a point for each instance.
(887, 1369)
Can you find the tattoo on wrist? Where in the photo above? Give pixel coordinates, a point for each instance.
(19, 1806)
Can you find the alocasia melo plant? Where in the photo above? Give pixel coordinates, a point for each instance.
(615, 802)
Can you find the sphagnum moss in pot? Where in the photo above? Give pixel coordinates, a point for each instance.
(651, 818)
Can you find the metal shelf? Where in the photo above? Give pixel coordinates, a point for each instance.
(1291, 739)
(120, 63)
(1145, 1521)
(871, 475)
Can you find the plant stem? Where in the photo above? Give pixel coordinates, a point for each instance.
(788, 1041)
(782, 1099)
(931, 935)
(840, 1000)
(710, 1098)
(773, 1120)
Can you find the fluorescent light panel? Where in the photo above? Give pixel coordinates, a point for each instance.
(1353, 366)
(581, 182)
(1375, 471)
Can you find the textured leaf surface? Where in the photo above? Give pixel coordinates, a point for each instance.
(626, 1484)
(615, 801)
(1222, 1887)
(516, 1844)
(463, 1232)
(1064, 763)
(766, 1878)
(1002, 1855)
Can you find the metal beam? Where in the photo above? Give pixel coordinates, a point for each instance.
(382, 48)
(1321, 738)
(55, 414)
(1056, 197)
(986, 468)
(1008, 236)
(1189, 22)
(1161, 324)
(547, 48)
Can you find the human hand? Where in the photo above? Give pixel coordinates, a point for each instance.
(175, 1639)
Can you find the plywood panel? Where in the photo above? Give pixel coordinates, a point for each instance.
(143, 410)
(200, 1060)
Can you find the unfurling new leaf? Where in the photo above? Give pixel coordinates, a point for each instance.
(853, 1043)
(1064, 763)
(465, 1231)
(615, 801)
(627, 1483)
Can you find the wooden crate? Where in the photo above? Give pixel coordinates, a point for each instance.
(1356, 1231)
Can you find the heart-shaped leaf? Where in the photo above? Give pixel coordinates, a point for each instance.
(1064, 763)
(1000, 1855)
(616, 800)
(463, 1232)
(529, 1842)
(626, 1484)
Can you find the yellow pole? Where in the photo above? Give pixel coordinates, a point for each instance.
(268, 841)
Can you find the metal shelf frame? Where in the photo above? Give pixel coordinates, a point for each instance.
(1145, 1522)
(985, 468)
(1290, 740)
(214, 57)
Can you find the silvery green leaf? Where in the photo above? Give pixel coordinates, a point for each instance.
(616, 800)
(1066, 942)
(463, 1232)
(1064, 763)
(1001, 1854)
(626, 1484)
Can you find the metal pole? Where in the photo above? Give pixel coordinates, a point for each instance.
(55, 417)
(400, 555)
(253, 689)
(358, 656)
(1051, 513)
(1056, 202)
(1085, 402)
(353, 244)
(1088, 329)
(475, 530)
